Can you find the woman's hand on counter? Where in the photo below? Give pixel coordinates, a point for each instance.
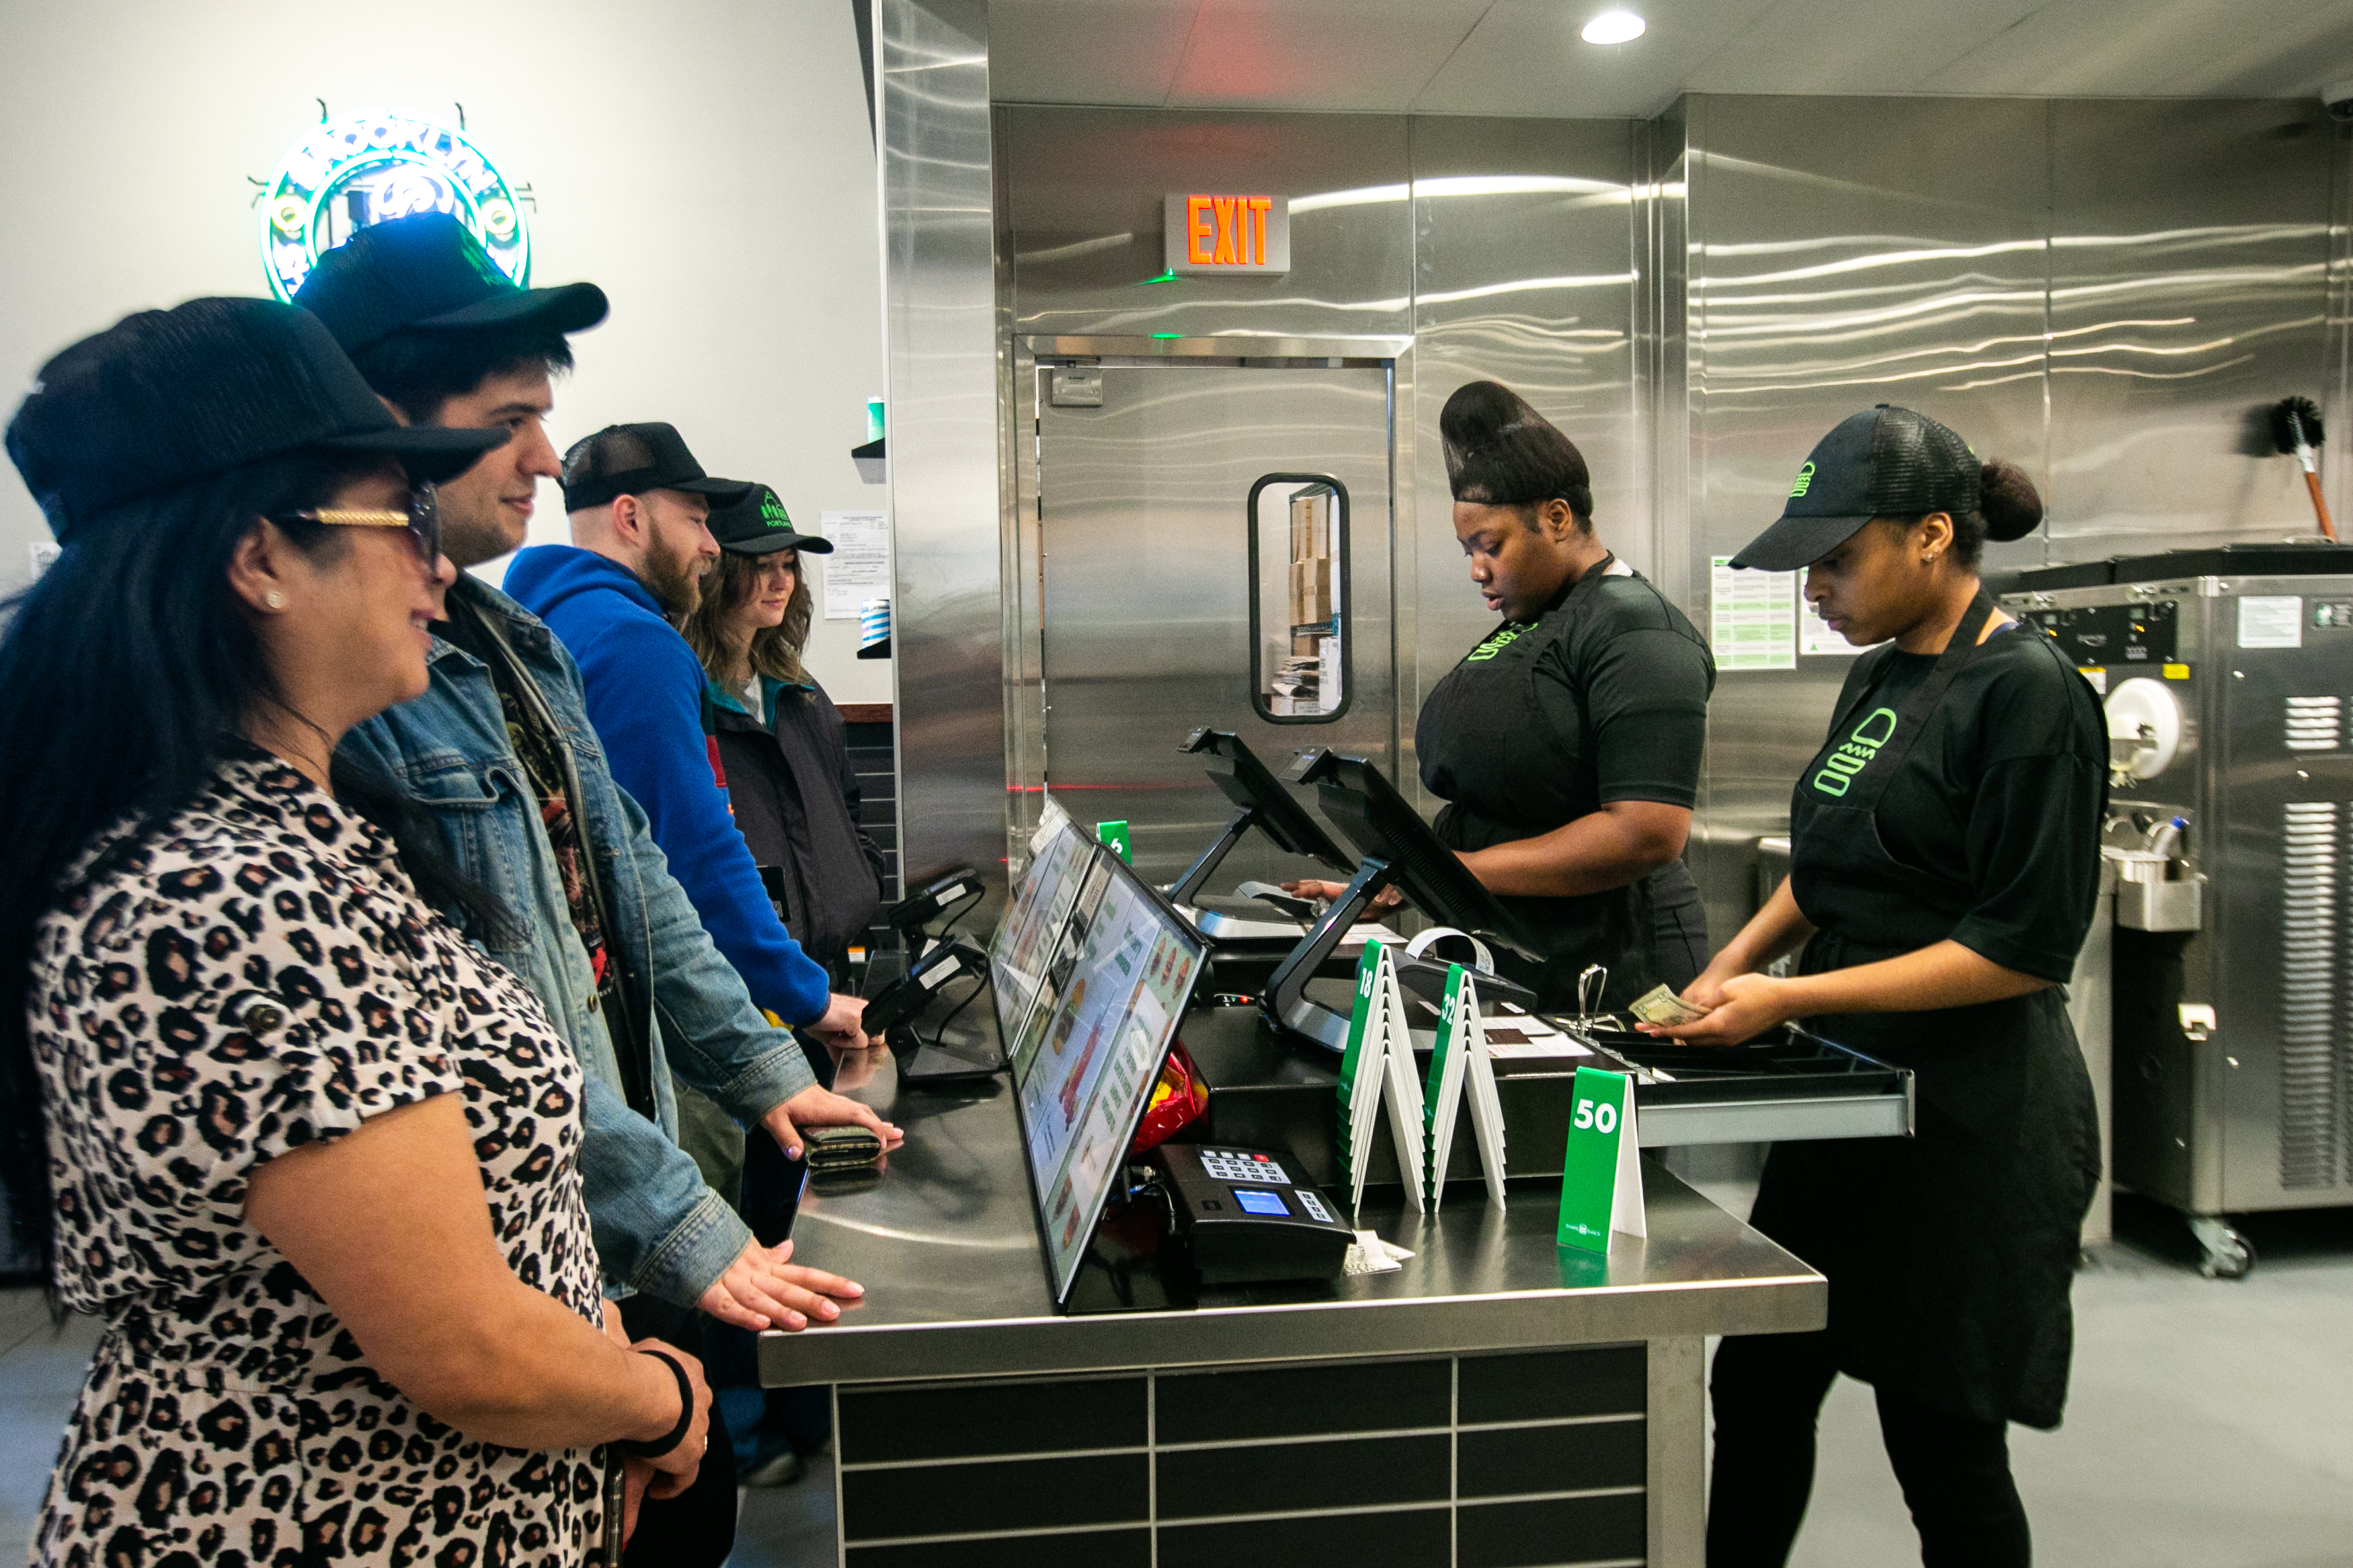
(763, 1289)
(1387, 898)
(1743, 1007)
(818, 1107)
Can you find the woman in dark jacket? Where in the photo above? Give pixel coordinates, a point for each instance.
(779, 738)
(785, 763)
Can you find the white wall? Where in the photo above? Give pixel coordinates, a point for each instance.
(707, 162)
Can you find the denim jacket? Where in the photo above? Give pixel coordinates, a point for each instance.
(658, 1227)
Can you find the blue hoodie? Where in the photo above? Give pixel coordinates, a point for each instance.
(645, 698)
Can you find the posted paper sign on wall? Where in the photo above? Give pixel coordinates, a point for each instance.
(859, 567)
(1600, 1180)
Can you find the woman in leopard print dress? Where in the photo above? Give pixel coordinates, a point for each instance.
(311, 1156)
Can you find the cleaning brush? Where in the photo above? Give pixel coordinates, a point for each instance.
(2295, 431)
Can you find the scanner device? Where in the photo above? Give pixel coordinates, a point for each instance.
(1248, 1215)
(890, 1016)
(950, 892)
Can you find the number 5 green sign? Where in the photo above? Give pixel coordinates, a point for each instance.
(1601, 1178)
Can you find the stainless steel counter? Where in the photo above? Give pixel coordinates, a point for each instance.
(945, 1238)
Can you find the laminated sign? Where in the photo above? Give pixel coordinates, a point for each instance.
(1600, 1182)
(1461, 1064)
(1376, 1069)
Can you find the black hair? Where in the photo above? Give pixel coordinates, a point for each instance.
(420, 368)
(2009, 507)
(125, 672)
(1502, 452)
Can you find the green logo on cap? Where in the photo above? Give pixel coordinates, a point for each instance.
(772, 511)
(1805, 478)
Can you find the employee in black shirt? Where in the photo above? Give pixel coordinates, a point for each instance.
(1945, 858)
(1566, 743)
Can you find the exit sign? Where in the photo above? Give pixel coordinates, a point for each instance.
(1213, 233)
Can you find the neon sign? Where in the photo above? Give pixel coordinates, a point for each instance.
(361, 169)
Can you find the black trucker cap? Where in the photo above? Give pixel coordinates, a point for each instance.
(428, 271)
(1883, 462)
(631, 459)
(758, 525)
(166, 397)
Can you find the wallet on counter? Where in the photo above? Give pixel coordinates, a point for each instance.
(839, 1148)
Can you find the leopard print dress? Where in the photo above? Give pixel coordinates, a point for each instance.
(256, 975)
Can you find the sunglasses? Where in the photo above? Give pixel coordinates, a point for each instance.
(423, 521)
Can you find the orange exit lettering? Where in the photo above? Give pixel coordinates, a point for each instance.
(1226, 231)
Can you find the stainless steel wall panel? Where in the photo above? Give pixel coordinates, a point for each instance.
(1840, 252)
(1662, 380)
(1085, 221)
(941, 358)
(1523, 272)
(1017, 476)
(2337, 456)
(2189, 288)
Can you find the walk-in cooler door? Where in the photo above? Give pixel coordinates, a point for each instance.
(1212, 547)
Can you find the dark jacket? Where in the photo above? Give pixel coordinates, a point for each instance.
(796, 801)
(644, 689)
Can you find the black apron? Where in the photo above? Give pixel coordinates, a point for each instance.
(1481, 721)
(1950, 1253)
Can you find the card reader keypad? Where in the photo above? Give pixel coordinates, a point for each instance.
(1233, 1165)
(1313, 1205)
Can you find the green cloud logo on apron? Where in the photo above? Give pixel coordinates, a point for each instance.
(1805, 481)
(1854, 753)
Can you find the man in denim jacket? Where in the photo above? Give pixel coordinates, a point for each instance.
(422, 311)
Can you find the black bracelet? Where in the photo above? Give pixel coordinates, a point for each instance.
(656, 1449)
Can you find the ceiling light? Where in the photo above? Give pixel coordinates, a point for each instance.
(1613, 27)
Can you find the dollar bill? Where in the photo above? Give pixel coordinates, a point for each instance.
(1661, 1006)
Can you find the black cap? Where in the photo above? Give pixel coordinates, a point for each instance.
(166, 397)
(1884, 462)
(631, 459)
(428, 271)
(759, 525)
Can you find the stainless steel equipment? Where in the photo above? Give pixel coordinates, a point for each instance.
(1149, 498)
(2227, 675)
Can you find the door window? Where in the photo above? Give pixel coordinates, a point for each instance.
(1299, 598)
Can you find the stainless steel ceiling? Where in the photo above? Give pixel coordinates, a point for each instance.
(1523, 57)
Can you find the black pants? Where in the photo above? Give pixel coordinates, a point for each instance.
(1955, 1471)
(695, 1529)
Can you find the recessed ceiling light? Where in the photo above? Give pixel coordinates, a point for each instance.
(1613, 27)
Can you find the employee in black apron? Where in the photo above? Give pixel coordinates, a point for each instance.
(1566, 743)
(1945, 860)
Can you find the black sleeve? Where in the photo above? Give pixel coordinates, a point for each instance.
(2033, 846)
(853, 794)
(1646, 697)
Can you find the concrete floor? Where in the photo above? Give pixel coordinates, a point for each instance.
(2211, 1422)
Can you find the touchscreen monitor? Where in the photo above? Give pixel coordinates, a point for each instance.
(1106, 1009)
(1019, 953)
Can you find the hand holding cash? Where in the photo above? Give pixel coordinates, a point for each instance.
(1661, 1006)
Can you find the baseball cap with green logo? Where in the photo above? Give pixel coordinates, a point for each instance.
(1883, 462)
(759, 525)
